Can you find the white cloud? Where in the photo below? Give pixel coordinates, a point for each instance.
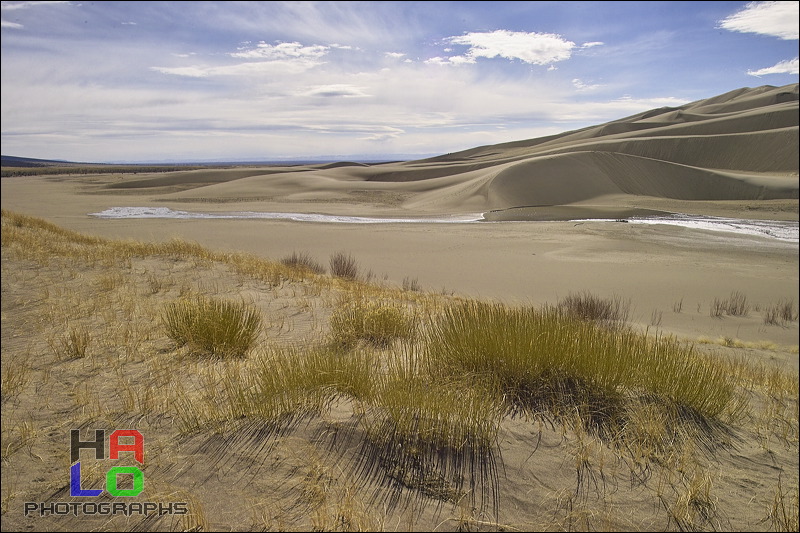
(461, 60)
(592, 44)
(342, 90)
(11, 6)
(437, 61)
(534, 48)
(778, 19)
(282, 58)
(395, 55)
(387, 134)
(250, 68)
(584, 87)
(190, 72)
(790, 66)
(281, 51)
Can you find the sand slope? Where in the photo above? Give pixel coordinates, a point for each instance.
(734, 154)
(739, 146)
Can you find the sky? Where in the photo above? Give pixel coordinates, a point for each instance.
(268, 81)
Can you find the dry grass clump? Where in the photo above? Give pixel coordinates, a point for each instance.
(587, 306)
(219, 328)
(735, 305)
(376, 321)
(541, 357)
(273, 390)
(73, 345)
(344, 266)
(303, 261)
(781, 313)
(437, 437)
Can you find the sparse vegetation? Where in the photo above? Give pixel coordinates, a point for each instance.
(303, 261)
(74, 344)
(344, 265)
(411, 284)
(781, 313)
(368, 398)
(735, 305)
(80, 168)
(376, 322)
(587, 306)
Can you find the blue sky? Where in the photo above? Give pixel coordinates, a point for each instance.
(230, 81)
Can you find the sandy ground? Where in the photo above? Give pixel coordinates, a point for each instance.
(670, 275)
(658, 268)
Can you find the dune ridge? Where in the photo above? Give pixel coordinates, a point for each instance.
(738, 146)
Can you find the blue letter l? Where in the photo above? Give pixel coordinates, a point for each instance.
(75, 483)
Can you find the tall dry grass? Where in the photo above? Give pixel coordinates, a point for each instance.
(543, 356)
(220, 328)
(423, 384)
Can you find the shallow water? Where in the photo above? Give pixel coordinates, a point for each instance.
(781, 230)
(164, 212)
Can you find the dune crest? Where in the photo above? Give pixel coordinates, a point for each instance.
(738, 146)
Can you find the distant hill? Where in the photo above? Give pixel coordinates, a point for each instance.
(29, 162)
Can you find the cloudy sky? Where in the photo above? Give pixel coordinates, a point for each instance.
(235, 81)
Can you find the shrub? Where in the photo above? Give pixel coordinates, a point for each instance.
(586, 306)
(344, 266)
(376, 322)
(75, 344)
(781, 313)
(547, 358)
(219, 328)
(303, 261)
(736, 305)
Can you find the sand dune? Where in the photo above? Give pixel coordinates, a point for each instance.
(739, 146)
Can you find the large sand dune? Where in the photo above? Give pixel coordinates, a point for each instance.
(740, 146)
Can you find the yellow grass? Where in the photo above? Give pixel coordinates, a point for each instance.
(354, 402)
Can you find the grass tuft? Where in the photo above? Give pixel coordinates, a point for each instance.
(219, 328)
(735, 305)
(344, 266)
(587, 306)
(543, 357)
(303, 261)
(781, 313)
(375, 321)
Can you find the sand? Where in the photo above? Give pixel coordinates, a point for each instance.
(735, 155)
